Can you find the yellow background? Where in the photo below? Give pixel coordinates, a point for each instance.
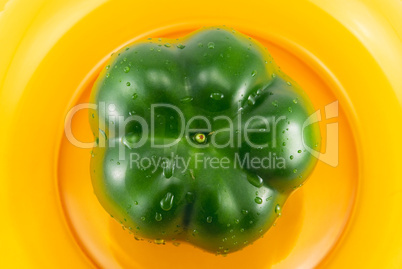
(347, 50)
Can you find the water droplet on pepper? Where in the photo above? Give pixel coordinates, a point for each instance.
(167, 202)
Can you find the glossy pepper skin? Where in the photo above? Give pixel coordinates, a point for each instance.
(211, 72)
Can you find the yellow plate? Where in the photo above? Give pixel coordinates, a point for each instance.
(345, 216)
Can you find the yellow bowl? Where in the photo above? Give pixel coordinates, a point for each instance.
(347, 215)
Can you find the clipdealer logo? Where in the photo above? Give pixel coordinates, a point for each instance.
(236, 139)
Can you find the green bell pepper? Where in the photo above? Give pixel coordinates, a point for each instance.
(199, 139)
